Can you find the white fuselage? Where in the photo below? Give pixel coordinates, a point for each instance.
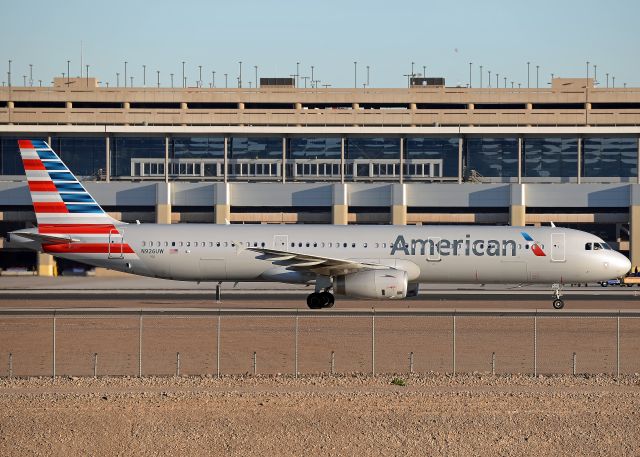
(430, 254)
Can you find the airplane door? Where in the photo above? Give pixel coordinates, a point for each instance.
(281, 242)
(557, 247)
(114, 248)
(433, 256)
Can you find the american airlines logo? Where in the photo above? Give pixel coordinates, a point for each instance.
(446, 247)
(465, 247)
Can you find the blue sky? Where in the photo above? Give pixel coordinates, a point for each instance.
(559, 36)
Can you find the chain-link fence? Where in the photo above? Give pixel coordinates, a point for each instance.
(223, 342)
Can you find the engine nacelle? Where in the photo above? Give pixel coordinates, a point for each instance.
(380, 284)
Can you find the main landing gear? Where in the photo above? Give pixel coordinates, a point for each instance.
(558, 303)
(318, 300)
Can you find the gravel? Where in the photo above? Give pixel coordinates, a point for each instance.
(340, 415)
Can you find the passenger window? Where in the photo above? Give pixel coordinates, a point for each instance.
(353, 245)
(315, 245)
(226, 244)
(377, 245)
(188, 243)
(218, 244)
(322, 244)
(365, 245)
(262, 244)
(299, 245)
(307, 244)
(384, 245)
(173, 243)
(293, 245)
(344, 245)
(181, 244)
(144, 243)
(166, 243)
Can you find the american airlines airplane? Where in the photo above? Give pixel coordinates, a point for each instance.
(374, 262)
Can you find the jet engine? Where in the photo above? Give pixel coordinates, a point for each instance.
(378, 284)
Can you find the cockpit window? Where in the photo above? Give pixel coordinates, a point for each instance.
(588, 246)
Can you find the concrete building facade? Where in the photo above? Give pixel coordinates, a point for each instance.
(566, 154)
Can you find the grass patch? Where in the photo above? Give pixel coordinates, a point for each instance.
(398, 382)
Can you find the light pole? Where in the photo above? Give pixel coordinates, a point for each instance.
(412, 72)
(297, 74)
(470, 65)
(528, 64)
(424, 71)
(613, 81)
(9, 74)
(24, 80)
(117, 79)
(158, 72)
(607, 80)
(199, 75)
(595, 74)
(240, 75)
(312, 80)
(225, 81)
(505, 82)
(172, 80)
(305, 80)
(489, 78)
(68, 69)
(355, 74)
(497, 80)
(213, 79)
(587, 81)
(131, 77)
(31, 74)
(144, 76)
(125, 74)
(367, 75)
(255, 67)
(183, 77)
(87, 75)
(537, 76)
(480, 76)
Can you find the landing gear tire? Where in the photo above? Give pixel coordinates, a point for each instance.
(329, 299)
(558, 303)
(320, 300)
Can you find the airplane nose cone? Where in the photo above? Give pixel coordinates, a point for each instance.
(620, 264)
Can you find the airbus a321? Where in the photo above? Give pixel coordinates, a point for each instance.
(372, 262)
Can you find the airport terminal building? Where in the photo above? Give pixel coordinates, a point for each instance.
(426, 154)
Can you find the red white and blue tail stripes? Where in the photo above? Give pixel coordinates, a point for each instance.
(64, 207)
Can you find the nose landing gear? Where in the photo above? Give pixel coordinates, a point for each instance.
(319, 300)
(558, 303)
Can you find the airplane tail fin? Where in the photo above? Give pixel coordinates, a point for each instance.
(60, 201)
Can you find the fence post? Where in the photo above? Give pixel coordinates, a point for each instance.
(255, 363)
(373, 341)
(574, 363)
(296, 348)
(333, 362)
(95, 364)
(411, 362)
(218, 346)
(10, 365)
(535, 344)
(493, 363)
(453, 348)
(177, 364)
(54, 345)
(140, 345)
(618, 346)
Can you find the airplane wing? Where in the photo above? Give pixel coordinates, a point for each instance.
(326, 266)
(46, 238)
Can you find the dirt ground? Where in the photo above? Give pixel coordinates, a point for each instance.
(343, 415)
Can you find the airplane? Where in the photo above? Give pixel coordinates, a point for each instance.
(371, 262)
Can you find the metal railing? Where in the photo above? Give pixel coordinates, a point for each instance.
(97, 342)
